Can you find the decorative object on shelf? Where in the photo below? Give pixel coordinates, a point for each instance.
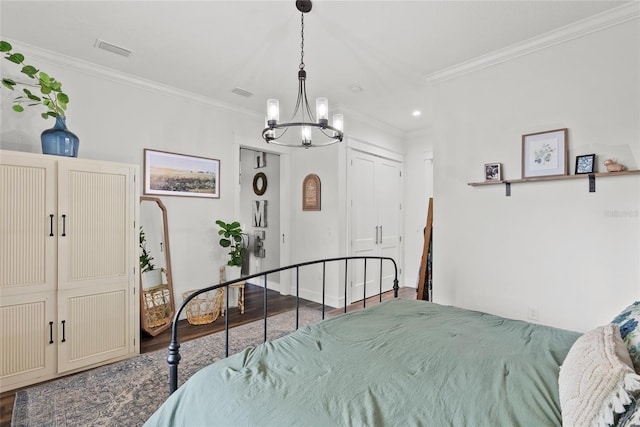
(585, 163)
(259, 212)
(259, 159)
(172, 174)
(232, 239)
(612, 166)
(544, 153)
(307, 121)
(57, 140)
(259, 183)
(311, 193)
(493, 172)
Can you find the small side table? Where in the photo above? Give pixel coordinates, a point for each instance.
(240, 287)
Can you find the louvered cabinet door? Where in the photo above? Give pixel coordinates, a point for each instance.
(28, 261)
(28, 227)
(27, 325)
(95, 268)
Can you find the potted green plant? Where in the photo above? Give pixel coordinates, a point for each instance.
(150, 276)
(232, 239)
(58, 140)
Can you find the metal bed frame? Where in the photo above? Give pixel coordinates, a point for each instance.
(174, 347)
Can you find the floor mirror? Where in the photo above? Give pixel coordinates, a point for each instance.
(157, 306)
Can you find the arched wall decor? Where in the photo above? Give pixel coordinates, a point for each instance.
(311, 193)
(260, 183)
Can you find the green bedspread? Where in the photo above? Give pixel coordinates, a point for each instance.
(399, 363)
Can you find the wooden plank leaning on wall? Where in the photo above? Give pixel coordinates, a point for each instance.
(424, 288)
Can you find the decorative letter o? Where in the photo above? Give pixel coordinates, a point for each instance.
(259, 183)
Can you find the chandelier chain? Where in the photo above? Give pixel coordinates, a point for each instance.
(301, 41)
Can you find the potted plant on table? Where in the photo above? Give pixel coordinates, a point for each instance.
(232, 239)
(57, 140)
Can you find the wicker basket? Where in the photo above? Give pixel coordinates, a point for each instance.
(157, 303)
(204, 308)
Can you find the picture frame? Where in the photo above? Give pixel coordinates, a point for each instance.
(173, 174)
(493, 172)
(585, 164)
(311, 193)
(544, 153)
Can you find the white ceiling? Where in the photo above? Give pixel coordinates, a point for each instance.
(210, 47)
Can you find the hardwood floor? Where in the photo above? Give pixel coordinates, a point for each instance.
(254, 297)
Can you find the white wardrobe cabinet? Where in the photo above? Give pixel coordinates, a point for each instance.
(68, 266)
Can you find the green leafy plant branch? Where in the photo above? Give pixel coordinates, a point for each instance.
(145, 256)
(232, 239)
(51, 97)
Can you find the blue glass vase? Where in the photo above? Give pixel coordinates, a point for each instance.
(59, 140)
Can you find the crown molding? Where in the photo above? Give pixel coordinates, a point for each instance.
(424, 132)
(109, 74)
(601, 21)
(371, 122)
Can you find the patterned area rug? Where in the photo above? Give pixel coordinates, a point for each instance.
(127, 393)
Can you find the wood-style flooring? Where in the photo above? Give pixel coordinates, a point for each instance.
(254, 297)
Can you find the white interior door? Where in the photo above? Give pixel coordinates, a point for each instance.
(389, 193)
(375, 220)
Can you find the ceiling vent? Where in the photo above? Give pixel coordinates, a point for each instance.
(242, 92)
(110, 47)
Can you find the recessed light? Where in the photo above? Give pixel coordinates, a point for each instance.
(416, 113)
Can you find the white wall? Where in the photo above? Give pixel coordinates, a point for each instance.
(116, 118)
(418, 183)
(552, 246)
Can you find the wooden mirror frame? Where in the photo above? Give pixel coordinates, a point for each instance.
(144, 323)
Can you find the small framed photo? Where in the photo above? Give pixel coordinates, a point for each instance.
(544, 153)
(585, 163)
(493, 172)
(173, 174)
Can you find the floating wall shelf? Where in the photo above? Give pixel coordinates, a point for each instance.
(591, 177)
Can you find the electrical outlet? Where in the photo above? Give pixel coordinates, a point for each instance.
(532, 313)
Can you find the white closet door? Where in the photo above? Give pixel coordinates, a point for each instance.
(363, 205)
(375, 220)
(389, 194)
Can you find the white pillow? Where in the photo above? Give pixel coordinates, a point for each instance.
(596, 379)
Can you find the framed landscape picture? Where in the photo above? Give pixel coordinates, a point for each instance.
(172, 174)
(544, 153)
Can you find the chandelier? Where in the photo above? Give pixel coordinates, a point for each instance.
(306, 122)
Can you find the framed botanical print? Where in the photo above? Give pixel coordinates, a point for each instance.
(544, 153)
